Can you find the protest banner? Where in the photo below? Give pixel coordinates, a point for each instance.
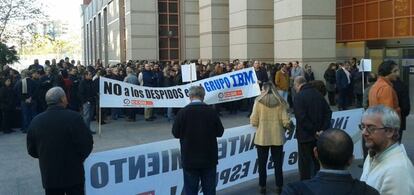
(223, 88)
(155, 168)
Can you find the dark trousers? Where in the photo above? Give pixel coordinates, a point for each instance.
(277, 158)
(358, 100)
(74, 190)
(331, 97)
(308, 164)
(29, 111)
(130, 112)
(192, 178)
(6, 119)
(343, 99)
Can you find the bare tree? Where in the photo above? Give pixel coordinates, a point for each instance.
(18, 13)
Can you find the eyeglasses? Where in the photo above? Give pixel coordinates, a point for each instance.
(370, 129)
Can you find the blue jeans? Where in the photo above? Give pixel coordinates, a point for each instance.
(284, 94)
(192, 179)
(88, 110)
(29, 111)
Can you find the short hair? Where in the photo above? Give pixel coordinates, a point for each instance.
(389, 118)
(335, 149)
(197, 91)
(385, 68)
(54, 95)
(300, 80)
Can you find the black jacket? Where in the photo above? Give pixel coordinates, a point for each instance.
(61, 141)
(312, 113)
(87, 91)
(329, 183)
(197, 126)
(403, 100)
(7, 99)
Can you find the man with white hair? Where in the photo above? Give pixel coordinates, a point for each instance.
(61, 141)
(387, 168)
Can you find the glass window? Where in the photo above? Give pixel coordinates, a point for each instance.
(163, 31)
(164, 54)
(173, 8)
(174, 53)
(163, 43)
(162, 7)
(173, 43)
(174, 30)
(163, 19)
(174, 19)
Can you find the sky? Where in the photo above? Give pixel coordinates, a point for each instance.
(65, 10)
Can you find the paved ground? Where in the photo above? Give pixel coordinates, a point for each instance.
(19, 173)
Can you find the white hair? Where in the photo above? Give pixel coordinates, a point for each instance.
(54, 96)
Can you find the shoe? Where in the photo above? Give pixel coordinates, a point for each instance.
(93, 132)
(262, 189)
(149, 119)
(103, 122)
(361, 166)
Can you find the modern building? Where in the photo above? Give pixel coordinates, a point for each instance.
(314, 32)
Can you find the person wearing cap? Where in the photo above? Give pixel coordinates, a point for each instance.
(61, 141)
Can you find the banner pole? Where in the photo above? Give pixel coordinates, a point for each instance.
(100, 121)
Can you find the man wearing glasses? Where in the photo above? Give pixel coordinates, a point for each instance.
(387, 168)
(382, 91)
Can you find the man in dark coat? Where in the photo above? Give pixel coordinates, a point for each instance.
(334, 150)
(343, 84)
(87, 96)
(313, 115)
(61, 141)
(403, 102)
(197, 126)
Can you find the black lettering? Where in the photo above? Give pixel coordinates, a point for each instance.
(136, 166)
(99, 169)
(293, 158)
(233, 141)
(235, 175)
(147, 93)
(118, 168)
(338, 123)
(256, 166)
(245, 141)
(222, 148)
(181, 95)
(175, 159)
(126, 91)
(107, 88)
(154, 163)
(225, 175)
(117, 89)
(245, 169)
(346, 122)
(165, 161)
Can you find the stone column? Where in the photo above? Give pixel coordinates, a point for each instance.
(214, 29)
(141, 21)
(190, 29)
(251, 30)
(305, 32)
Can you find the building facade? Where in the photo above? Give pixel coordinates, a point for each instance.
(314, 32)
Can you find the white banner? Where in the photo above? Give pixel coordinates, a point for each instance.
(223, 88)
(154, 168)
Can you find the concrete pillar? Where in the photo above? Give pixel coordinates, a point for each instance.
(190, 29)
(141, 21)
(251, 30)
(214, 29)
(305, 32)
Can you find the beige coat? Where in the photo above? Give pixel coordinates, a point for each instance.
(269, 122)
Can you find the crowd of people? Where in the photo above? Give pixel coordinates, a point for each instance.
(23, 92)
(284, 88)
